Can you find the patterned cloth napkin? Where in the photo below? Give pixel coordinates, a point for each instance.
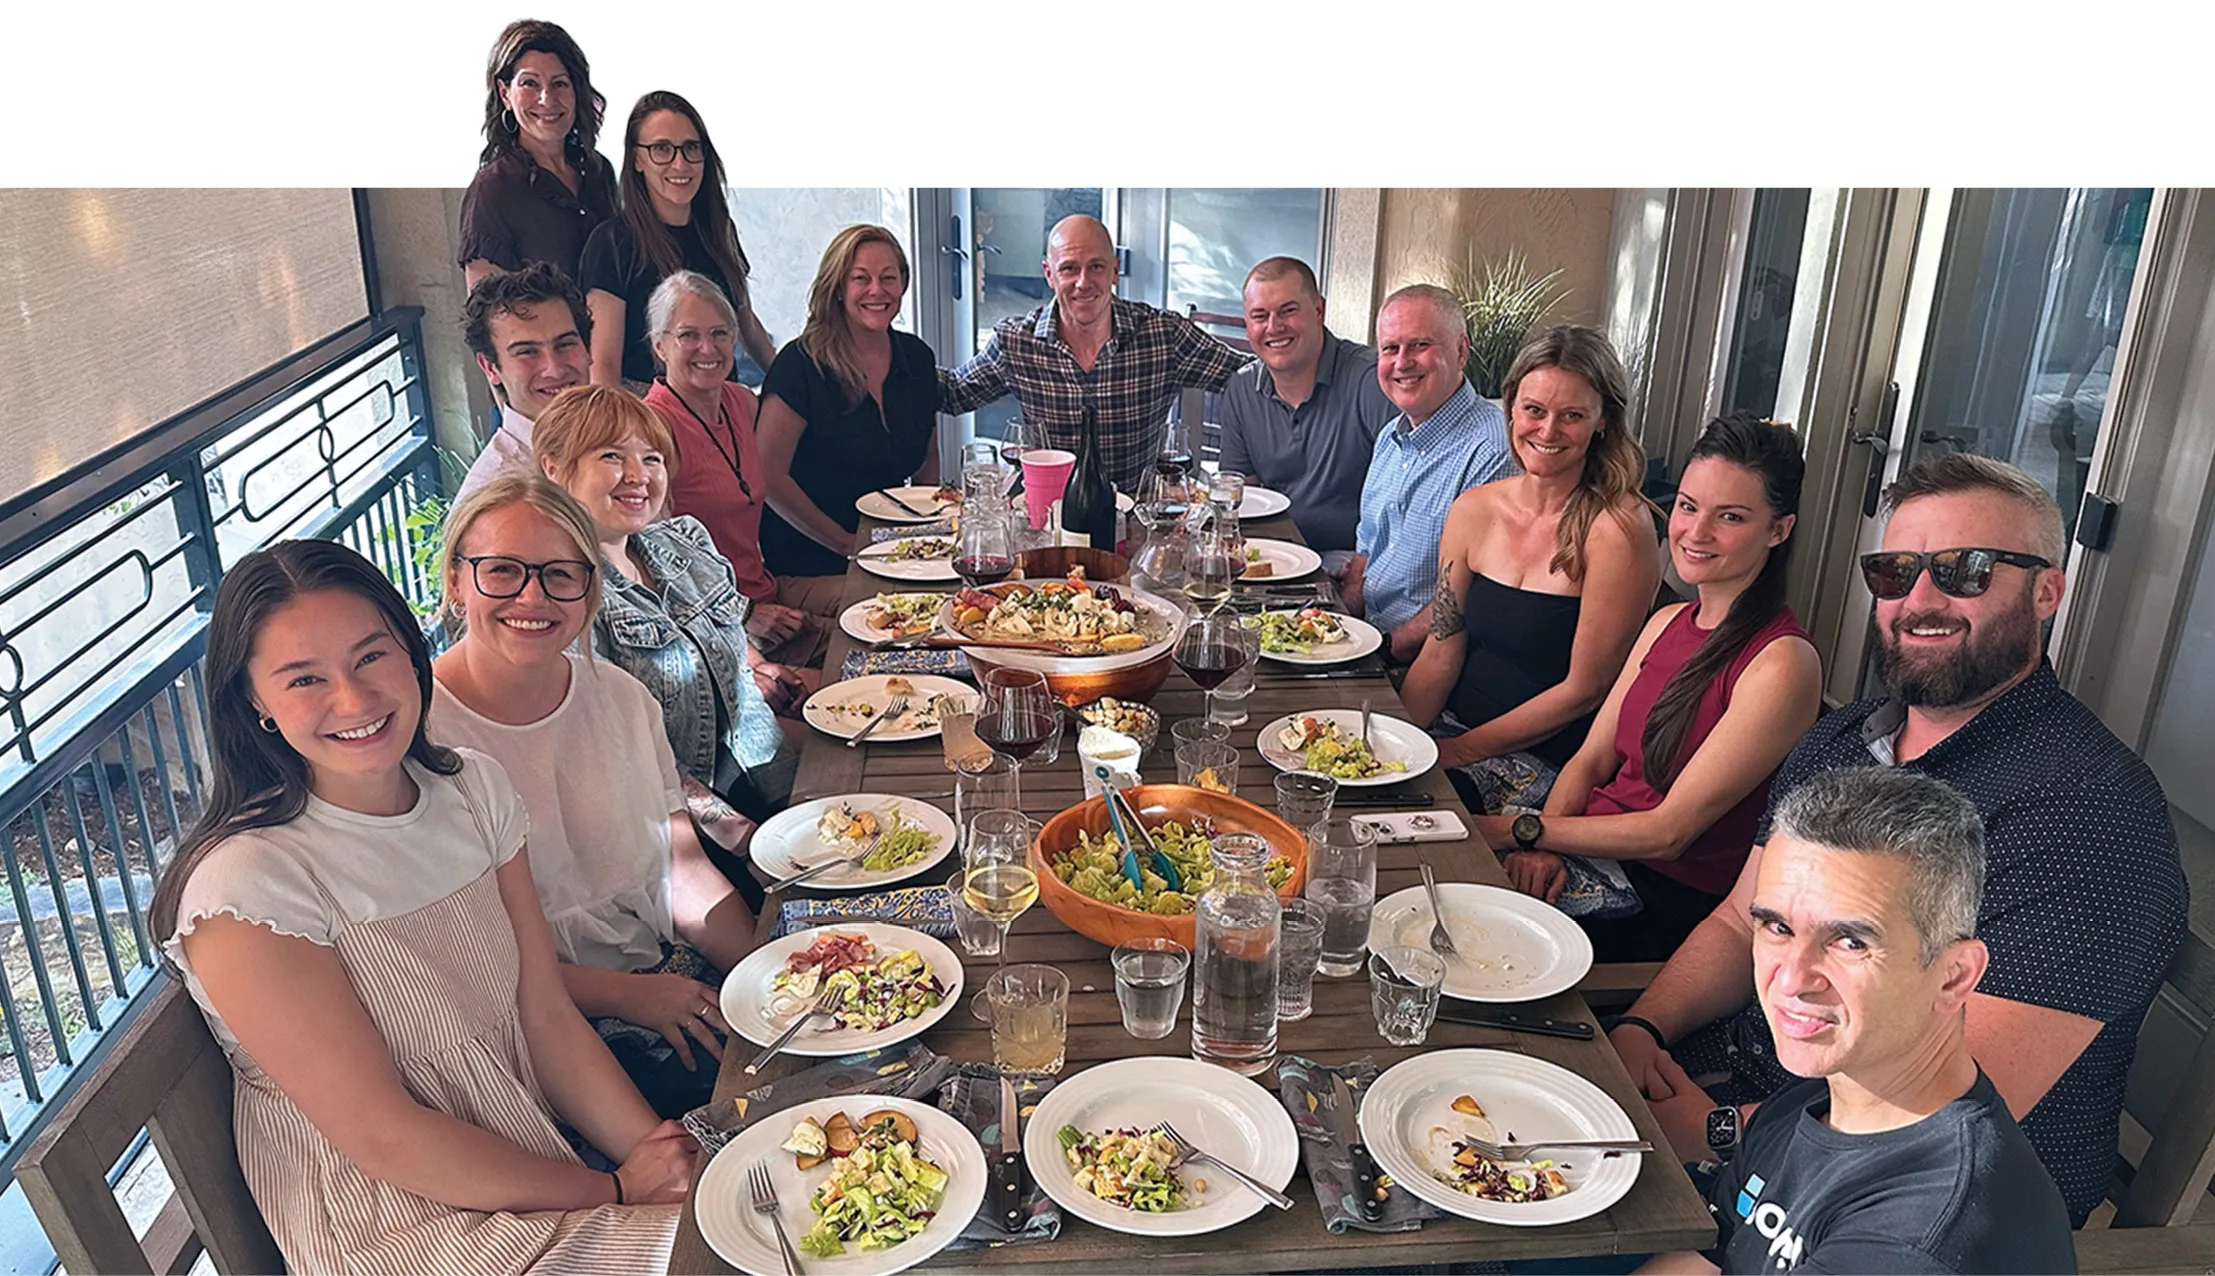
(925, 908)
(879, 535)
(947, 662)
(972, 1097)
(1305, 1088)
(910, 1070)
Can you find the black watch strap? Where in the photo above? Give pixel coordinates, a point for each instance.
(1647, 1024)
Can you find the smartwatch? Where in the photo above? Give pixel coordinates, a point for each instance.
(1526, 830)
(1722, 1132)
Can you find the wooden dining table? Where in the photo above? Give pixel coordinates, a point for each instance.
(1663, 1211)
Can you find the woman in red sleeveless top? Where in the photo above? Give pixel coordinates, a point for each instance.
(1674, 774)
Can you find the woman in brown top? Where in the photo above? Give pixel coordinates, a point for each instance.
(541, 187)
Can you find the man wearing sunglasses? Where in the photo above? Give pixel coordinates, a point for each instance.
(2084, 902)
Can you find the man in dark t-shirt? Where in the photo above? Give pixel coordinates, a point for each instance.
(1899, 1156)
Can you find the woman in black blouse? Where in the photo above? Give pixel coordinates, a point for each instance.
(674, 218)
(540, 188)
(848, 408)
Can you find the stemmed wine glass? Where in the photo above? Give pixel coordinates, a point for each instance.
(1210, 650)
(984, 548)
(1019, 719)
(1210, 561)
(998, 882)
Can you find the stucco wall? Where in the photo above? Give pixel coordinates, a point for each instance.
(1422, 234)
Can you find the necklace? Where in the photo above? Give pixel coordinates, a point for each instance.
(722, 418)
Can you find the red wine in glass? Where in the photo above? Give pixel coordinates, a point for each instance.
(981, 570)
(1210, 664)
(1018, 734)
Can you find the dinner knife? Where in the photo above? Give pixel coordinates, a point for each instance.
(886, 493)
(1007, 1167)
(1483, 1015)
(1367, 1198)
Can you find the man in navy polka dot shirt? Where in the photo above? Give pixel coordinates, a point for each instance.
(2084, 901)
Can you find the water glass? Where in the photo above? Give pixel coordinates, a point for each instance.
(1299, 948)
(1304, 798)
(1342, 878)
(1228, 703)
(1200, 756)
(1030, 1019)
(985, 782)
(1404, 988)
(1228, 489)
(1192, 730)
(980, 935)
(1149, 985)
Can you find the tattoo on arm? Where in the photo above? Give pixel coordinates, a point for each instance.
(714, 816)
(1446, 617)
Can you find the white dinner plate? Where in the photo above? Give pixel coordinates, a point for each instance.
(923, 498)
(1262, 502)
(823, 709)
(725, 1207)
(1287, 560)
(786, 843)
(745, 996)
(874, 561)
(1392, 739)
(1216, 1109)
(1526, 1097)
(1511, 947)
(1361, 639)
(855, 619)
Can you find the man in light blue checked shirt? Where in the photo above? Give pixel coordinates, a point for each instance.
(1445, 441)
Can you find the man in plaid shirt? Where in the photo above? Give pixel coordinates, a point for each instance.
(1088, 346)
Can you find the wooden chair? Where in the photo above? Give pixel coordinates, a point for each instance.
(167, 1076)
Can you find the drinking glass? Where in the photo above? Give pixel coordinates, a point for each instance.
(1342, 879)
(1030, 1019)
(980, 936)
(1149, 984)
(1211, 559)
(1199, 729)
(1203, 755)
(1228, 703)
(1404, 988)
(984, 550)
(1210, 650)
(1227, 489)
(1304, 798)
(997, 881)
(1299, 948)
(985, 782)
(1019, 716)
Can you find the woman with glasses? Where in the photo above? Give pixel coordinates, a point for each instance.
(672, 617)
(643, 923)
(674, 217)
(1650, 822)
(540, 189)
(849, 407)
(718, 475)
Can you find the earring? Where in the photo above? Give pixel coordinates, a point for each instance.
(269, 724)
(507, 121)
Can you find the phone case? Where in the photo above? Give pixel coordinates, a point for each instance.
(1397, 828)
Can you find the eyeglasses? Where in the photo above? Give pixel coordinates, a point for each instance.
(692, 338)
(565, 580)
(1962, 573)
(666, 152)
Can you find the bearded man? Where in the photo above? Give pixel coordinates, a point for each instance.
(2084, 898)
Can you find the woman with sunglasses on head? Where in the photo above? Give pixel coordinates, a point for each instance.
(719, 478)
(671, 616)
(355, 915)
(674, 218)
(540, 189)
(1674, 775)
(1544, 578)
(643, 923)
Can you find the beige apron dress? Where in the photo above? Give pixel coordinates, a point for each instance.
(440, 984)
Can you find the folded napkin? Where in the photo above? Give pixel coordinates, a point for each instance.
(910, 1070)
(879, 535)
(972, 1096)
(1306, 1090)
(925, 908)
(946, 662)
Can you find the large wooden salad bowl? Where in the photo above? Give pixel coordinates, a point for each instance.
(1112, 924)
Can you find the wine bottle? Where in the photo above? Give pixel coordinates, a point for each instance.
(1088, 504)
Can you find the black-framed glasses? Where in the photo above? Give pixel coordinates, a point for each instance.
(565, 580)
(667, 152)
(1962, 573)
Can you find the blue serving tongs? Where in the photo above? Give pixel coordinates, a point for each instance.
(1133, 835)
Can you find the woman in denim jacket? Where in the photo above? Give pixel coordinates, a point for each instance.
(671, 614)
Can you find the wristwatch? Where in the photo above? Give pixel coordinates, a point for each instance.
(1526, 830)
(1722, 1132)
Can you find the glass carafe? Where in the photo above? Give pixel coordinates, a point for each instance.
(1157, 552)
(1234, 984)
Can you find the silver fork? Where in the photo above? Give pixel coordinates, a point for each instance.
(810, 874)
(1441, 942)
(1521, 1151)
(1187, 1152)
(1365, 703)
(897, 706)
(824, 1004)
(765, 1202)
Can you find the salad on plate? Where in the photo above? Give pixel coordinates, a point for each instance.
(1460, 1166)
(899, 842)
(1297, 633)
(874, 992)
(905, 615)
(917, 549)
(1325, 746)
(1126, 1167)
(881, 1189)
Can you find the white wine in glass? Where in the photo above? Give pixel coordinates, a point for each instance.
(1002, 892)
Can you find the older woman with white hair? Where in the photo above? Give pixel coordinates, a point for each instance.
(717, 477)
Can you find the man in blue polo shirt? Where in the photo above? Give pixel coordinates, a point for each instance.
(1303, 418)
(1444, 441)
(2084, 899)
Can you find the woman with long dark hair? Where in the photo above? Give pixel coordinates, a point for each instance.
(1544, 578)
(1673, 777)
(541, 188)
(674, 217)
(354, 914)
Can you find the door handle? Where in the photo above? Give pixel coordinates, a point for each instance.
(953, 248)
(1879, 444)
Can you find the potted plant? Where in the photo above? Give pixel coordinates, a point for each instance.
(1505, 305)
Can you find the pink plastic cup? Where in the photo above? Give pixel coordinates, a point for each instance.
(1045, 476)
